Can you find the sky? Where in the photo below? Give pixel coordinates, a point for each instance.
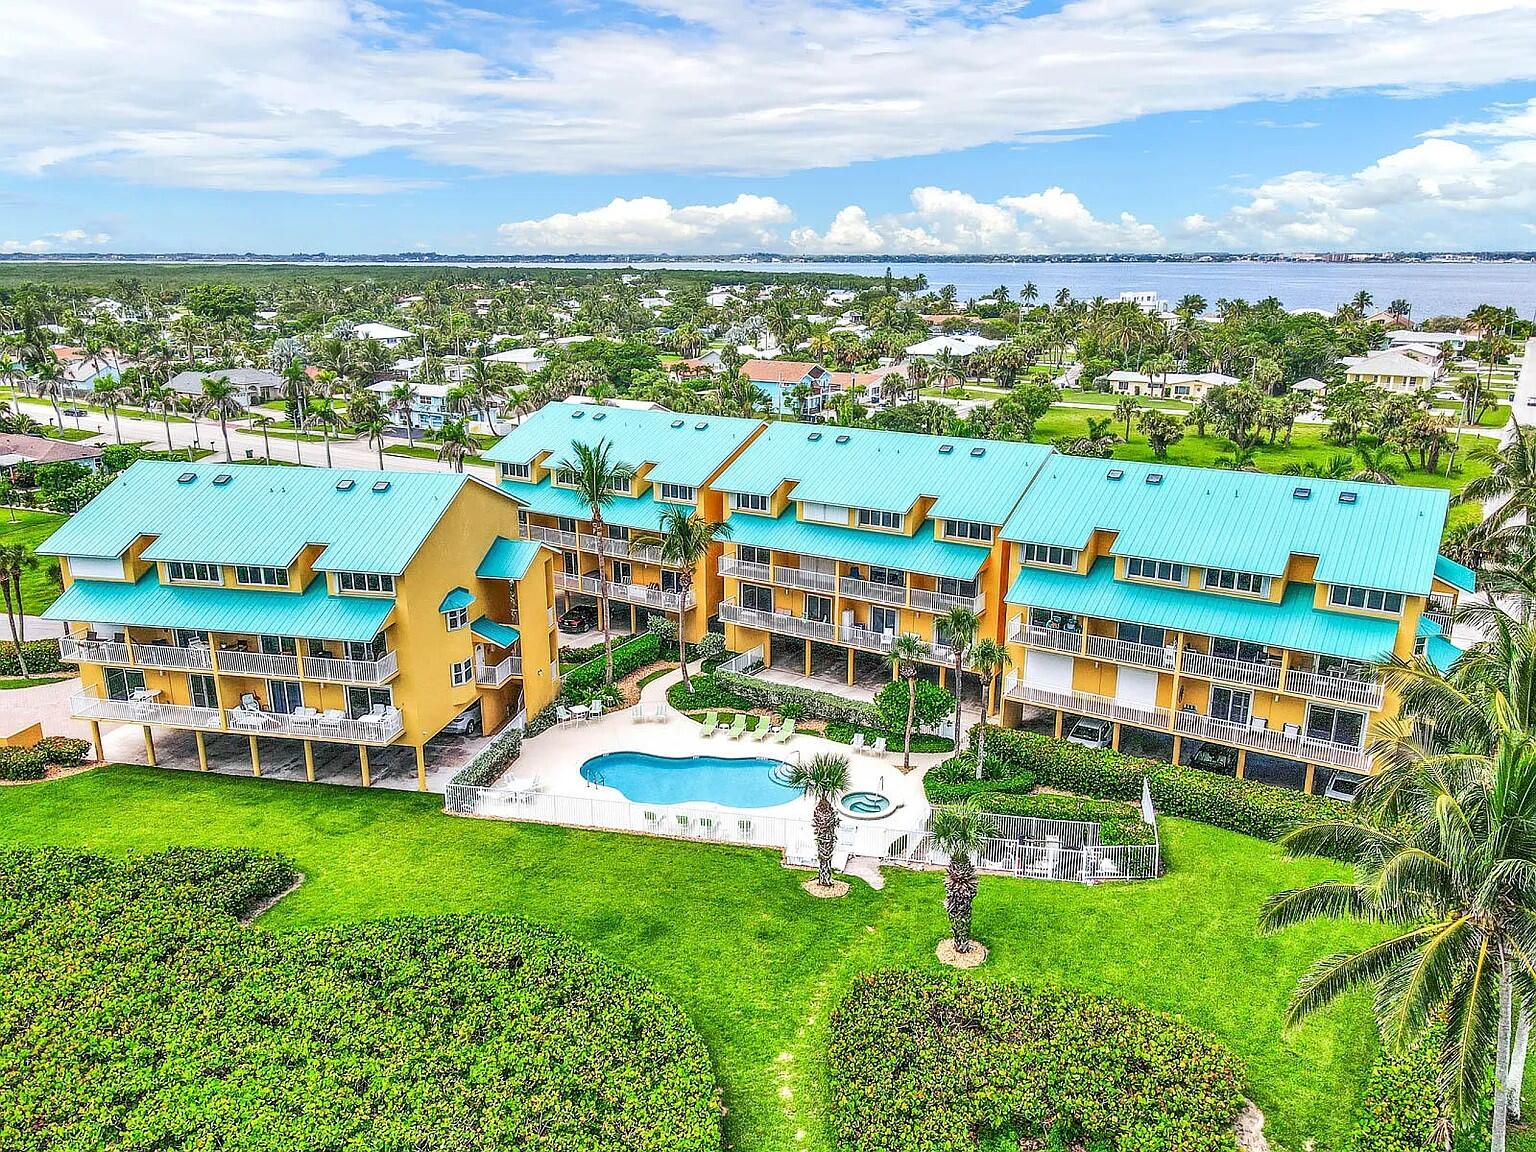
(796, 126)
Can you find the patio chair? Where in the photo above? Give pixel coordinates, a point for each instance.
(653, 820)
(744, 830)
(684, 823)
(711, 722)
(880, 746)
(249, 702)
(594, 710)
(303, 718)
(763, 731)
(707, 826)
(858, 742)
(637, 714)
(660, 713)
(1291, 731)
(736, 729)
(1044, 865)
(330, 720)
(785, 731)
(562, 713)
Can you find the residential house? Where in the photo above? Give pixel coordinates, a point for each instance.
(1172, 385)
(958, 345)
(16, 449)
(386, 334)
(1392, 370)
(252, 385)
(780, 378)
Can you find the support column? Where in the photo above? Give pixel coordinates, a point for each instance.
(101, 753)
(1114, 738)
(1061, 719)
(362, 758)
(202, 752)
(149, 745)
(421, 767)
(1310, 780)
(807, 658)
(768, 649)
(850, 667)
(309, 761)
(1242, 762)
(1178, 742)
(255, 757)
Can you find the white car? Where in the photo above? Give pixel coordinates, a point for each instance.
(1341, 787)
(1091, 733)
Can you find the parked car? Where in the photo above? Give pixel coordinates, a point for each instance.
(1342, 787)
(579, 618)
(466, 723)
(1215, 758)
(76, 412)
(1091, 733)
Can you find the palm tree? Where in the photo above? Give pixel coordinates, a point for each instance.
(989, 659)
(1125, 411)
(907, 651)
(375, 430)
(455, 443)
(594, 474)
(1511, 478)
(163, 399)
(110, 394)
(402, 401)
(960, 831)
(14, 560)
(52, 386)
(265, 422)
(823, 779)
(1361, 302)
(221, 399)
(959, 626)
(1376, 464)
(686, 540)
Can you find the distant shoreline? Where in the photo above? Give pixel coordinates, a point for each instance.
(647, 258)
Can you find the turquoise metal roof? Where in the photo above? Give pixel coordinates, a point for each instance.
(682, 448)
(1292, 623)
(1456, 575)
(871, 468)
(641, 512)
(262, 515)
(508, 559)
(1387, 537)
(502, 635)
(150, 604)
(1442, 653)
(456, 598)
(920, 553)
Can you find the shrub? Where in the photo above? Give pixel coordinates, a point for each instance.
(139, 1014)
(494, 759)
(62, 750)
(1245, 806)
(932, 705)
(1401, 1109)
(541, 721)
(629, 656)
(42, 658)
(923, 1063)
(22, 764)
(706, 693)
(1014, 795)
(921, 741)
(664, 628)
(711, 646)
(760, 693)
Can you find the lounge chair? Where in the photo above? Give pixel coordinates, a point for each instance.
(562, 713)
(660, 713)
(1044, 865)
(303, 718)
(785, 731)
(683, 823)
(653, 820)
(858, 742)
(1292, 731)
(711, 722)
(763, 730)
(740, 726)
(637, 714)
(880, 747)
(707, 826)
(330, 720)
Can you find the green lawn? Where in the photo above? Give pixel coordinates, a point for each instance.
(1109, 400)
(756, 963)
(428, 452)
(38, 589)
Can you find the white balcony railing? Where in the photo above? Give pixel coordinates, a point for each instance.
(343, 671)
(1130, 652)
(782, 623)
(631, 593)
(870, 590)
(744, 570)
(928, 601)
(1056, 639)
(1342, 689)
(377, 729)
(191, 658)
(89, 706)
(257, 663)
(622, 549)
(1089, 704)
(495, 675)
(553, 536)
(805, 579)
(1292, 746)
(80, 650)
(1231, 671)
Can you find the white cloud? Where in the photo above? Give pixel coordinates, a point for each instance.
(342, 95)
(56, 241)
(650, 224)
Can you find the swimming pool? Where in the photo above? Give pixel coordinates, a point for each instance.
(747, 782)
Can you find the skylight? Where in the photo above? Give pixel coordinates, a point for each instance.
(1154, 477)
(599, 416)
(678, 423)
(345, 485)
(1301, 493)
(946, 449)
(843, 439)
(186, 478)
(381, 485)
(222, 478)
(1115, 473)
(978, 451)
(1348, 497)
(814, 436)
(701, 425)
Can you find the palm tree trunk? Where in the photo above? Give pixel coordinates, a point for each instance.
(57, 415)
(21, 607)
(229, 456)
(266, 444)
(685, 582)
(824, 827)
(959, 682)
(410, 432)
(326, 430)
(1501, 1059)
(10, 615)
(959, 895)
(1517, 1061)
(981, 748)
(169, 447)
(602, 597)
(906, 750)
(117, 427)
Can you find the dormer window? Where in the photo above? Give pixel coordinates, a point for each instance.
(748, 502)
(1050, 554)
(381, 583)
(1369, 599)
(878, 518)
(189, 572)
(517, 471)
(972, 530)
(1160, 571)
(678, 493)
(1233, 580)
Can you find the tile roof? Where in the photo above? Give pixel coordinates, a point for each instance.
(150, 604)
(262, 514)
(681, 448)
(921, 553)
(1292, 623)
(780, 371)
(869, 468)
(44, 449)
(1388, 537)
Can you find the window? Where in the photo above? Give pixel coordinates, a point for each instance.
(201, 692)
(1050, 554)
(818, 608)
(824, 513)
(1163, 571)
(362, 701)
(1371, 599)
(278, 645)
(680, 493)
(620, 487)
(891, 577)
(1232, 580)
(749, 554)
(1242, 650)
(565, 524)
(1133, 633)
(967, 530)
(261, 574)
(615, 531)
(1232, 705)
(748, 502)
(283, 696)
(456, 618)
(462, 672)
(883, 620)
(121, 683)
(565, 478)
(186, 572)
(1336, 725)
(1060, 621)
(365, 651)
(949, 586)
(671, 581)
(621, 571)
(517, 471)
(757, 598)
(876, 518)
(365, 582)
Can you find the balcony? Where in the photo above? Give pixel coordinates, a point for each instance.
(868, 590)
(378, 728)
(192, 658)
(81, 650)
(629, 593)
(805, 579)
(622, 549)
(1291, 746)
(495, 675)
(744, 570)
(342, 671)
(553, 536)
(1089, 704)
(928, 601)
(1340, 689)
(240, 663)
(1230, 671)
(1056, 639)
(89, 706)
(782, 623)
(1130, 652)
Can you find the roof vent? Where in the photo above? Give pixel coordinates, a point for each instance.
(186, 478)
(678, 423)
(1348, 497)
(843, 439)
(1301, 493)
(1154, 478)
(599, 416)
(814, 436)
(946, 449)
(978, 451)
(701, 425)
(1115, 473)
(345, 485)
(381, 485)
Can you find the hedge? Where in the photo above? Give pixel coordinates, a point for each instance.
(42, 658)
(922, 742)
(814, 705)
(33, 763)
(138, 1014)
(1401, 1109)
(925, 1063)
(706, 693)
(955, 781)
(494, 759)
(1246, 806)
(628, 657)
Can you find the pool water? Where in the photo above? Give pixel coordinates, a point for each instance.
(864, 803)
(748, 782)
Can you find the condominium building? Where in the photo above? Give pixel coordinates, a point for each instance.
(363, 608)
(675, 459)
(843, 539)
(1228, 619)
